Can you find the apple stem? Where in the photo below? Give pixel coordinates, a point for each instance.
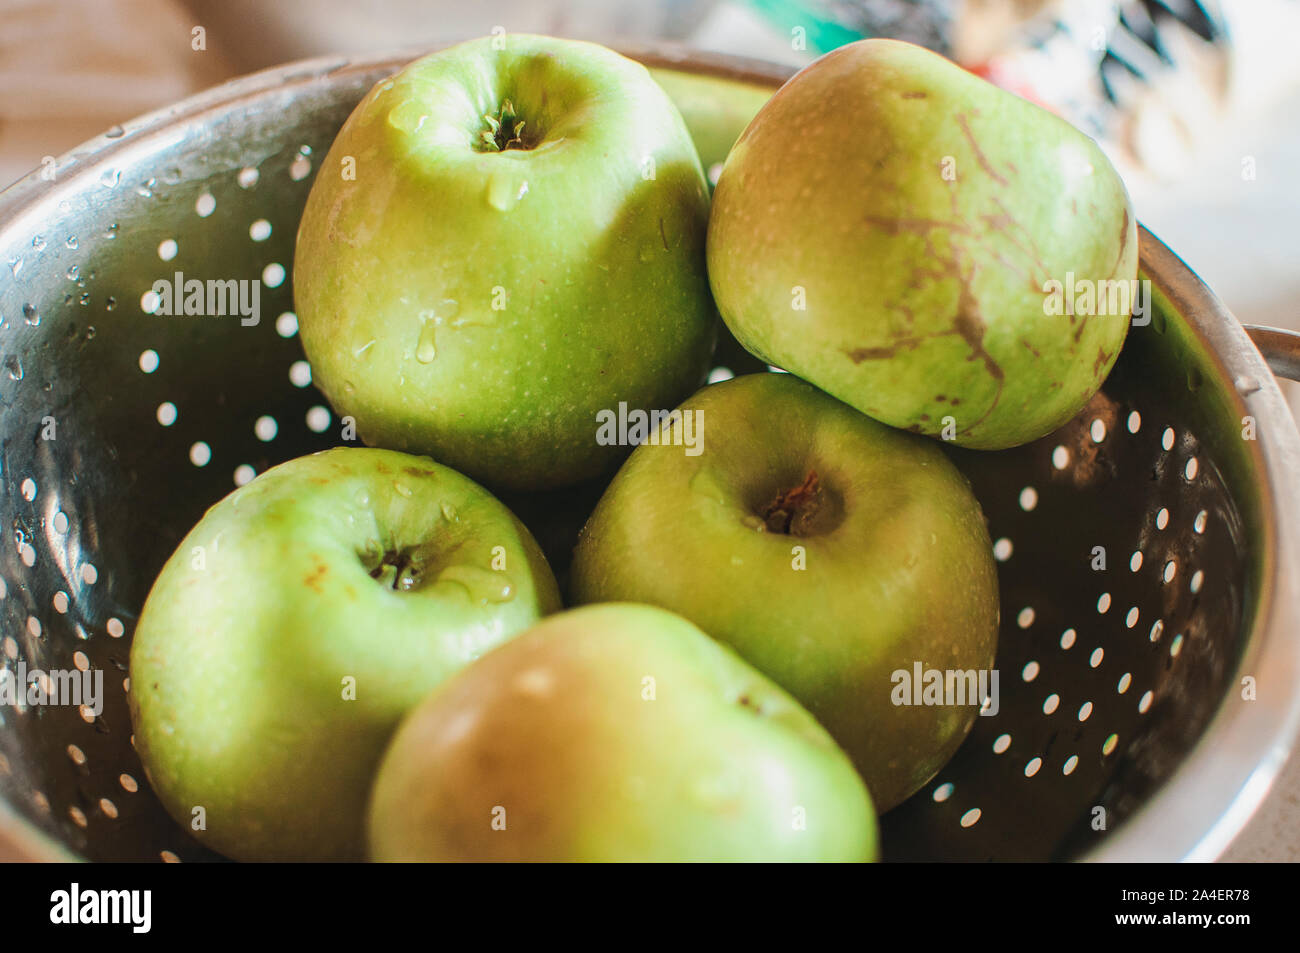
(504, 131)
(792, 510)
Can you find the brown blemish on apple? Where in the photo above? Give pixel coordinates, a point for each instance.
(662, 236)
(979, 153)
(313, 579)
(1123, 243)
(1032, 350)
(916, 94)
(1102, 358)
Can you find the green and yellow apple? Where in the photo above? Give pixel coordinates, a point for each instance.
(506, 237)
(828, 550)
(616, 733)
(902, 234)
(298, 622)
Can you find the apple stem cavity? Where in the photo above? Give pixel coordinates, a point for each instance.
(792, 511)
(504, 130)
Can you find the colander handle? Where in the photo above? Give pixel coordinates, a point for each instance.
(1280, 348)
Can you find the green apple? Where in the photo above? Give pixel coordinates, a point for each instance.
(297, 623)
(829, 550)
(918, 243)
(716, 109)
(616, 733)
(505, 238)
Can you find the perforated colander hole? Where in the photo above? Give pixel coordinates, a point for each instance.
(1032, 766)
(81, 661)
(1171, 569)
(168, 857)
(265, 428)
(1109, 744)
(1176, 646)
(41, 802)
(89, 574)
(129, 784)
(1198, 578)
(60, 522)
(1157, 629)
(167, 413)
(1191, 469)
(168, 249)
(1167, 438)
(1060, 457)
(149, 358)
(1131, 619)
(10, 648)
(115, 628)
(1135, 561)
(76, 754)
(1097, 430)
(4, 763)
(1095, 658)
(1026, 617)
(299, 373)
(87, 715)
(1028, 499)
(260, 230)
(200, 454)
(971, 817)
(1134, 422)
(1002, 550)
(1085, 711)
(318, 419)
(1050, 703)
(247, 177)
(1071, 763)
(4, 588)
(273, 275)
(1068, 637)
(60, 602)
(1198, 524)
(300, 167)
(78, 816)
(1001, 744)
(1125, 681)
(286, 325)
(1144, 703)
(28, 489)
(1103, 603)
(244, 473)
(205, 205)
(108, 807)
(27, 553)
(34, 626)
(1030, 671)
(149, 302)
(1162, 518)
(943, 792)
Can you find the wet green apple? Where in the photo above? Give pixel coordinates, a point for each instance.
(828, 550)
(616, 733)
(505, 238)
(295, 625)
(902, 233)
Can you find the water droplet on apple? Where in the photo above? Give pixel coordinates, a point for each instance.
(425, 350)
(362, 498)
(503, 192)
(407, 117)
(449, 513)
(647, 252)
(706, 484)
(361, 351)
(483, 585)
(402, 488)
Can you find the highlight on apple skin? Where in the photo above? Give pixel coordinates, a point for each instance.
(297, 623)
(505, 237)
(616, 733)
(828, 550)
(896, 231)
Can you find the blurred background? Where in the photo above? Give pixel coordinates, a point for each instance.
(1196, 101)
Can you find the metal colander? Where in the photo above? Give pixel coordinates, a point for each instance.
(1121, 689)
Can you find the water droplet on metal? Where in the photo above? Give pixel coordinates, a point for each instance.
(72, 272)
(14, 367)
(1246, 385)
(110, 304)
(115, 132)
(31, 315)
(109, 178)
(15, 265)
(38, 243)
